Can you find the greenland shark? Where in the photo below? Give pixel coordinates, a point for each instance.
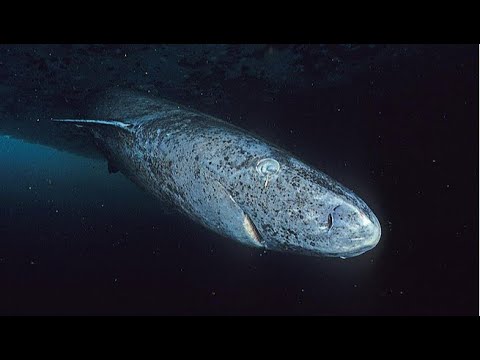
(227, 179)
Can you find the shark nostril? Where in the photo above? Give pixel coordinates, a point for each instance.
(329, 221)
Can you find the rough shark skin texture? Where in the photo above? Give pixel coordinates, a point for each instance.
(228, 180)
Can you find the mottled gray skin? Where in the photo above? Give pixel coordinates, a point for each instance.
(232, 182)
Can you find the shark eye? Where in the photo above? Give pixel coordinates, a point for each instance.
(268, 166)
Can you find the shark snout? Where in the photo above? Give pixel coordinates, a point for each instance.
(353, 231)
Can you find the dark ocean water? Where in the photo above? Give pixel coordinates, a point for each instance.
(399, 127)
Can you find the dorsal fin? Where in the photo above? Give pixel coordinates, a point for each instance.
(89, 122)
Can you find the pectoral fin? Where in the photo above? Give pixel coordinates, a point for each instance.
(231, 219)
(112, 168)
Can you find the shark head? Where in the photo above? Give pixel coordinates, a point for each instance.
(268, 198)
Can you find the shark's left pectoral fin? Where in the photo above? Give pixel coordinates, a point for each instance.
(226, 215)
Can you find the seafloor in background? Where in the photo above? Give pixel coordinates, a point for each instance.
(398, 124)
